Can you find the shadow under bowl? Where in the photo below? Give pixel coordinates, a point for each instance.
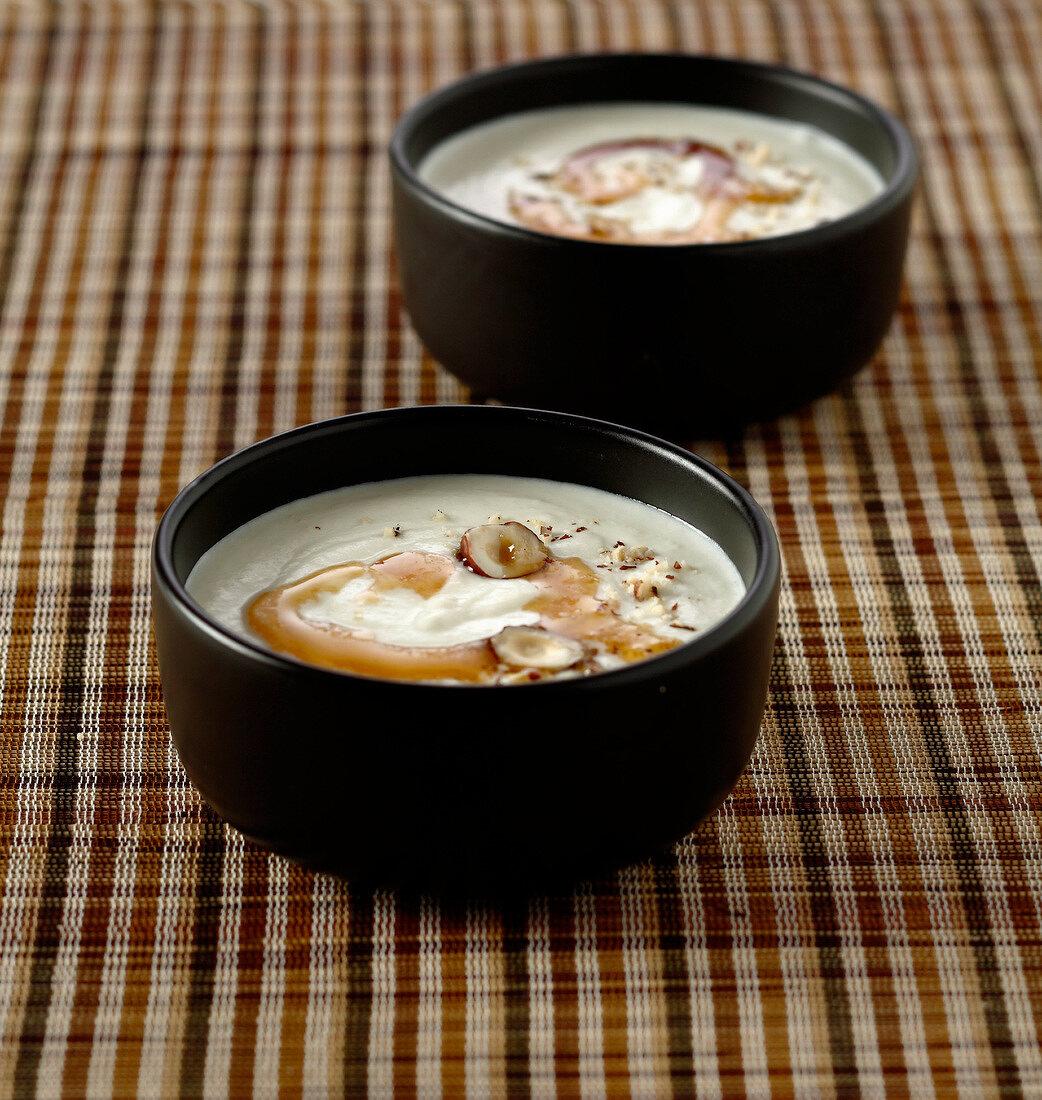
(448, 786)
(679, 339)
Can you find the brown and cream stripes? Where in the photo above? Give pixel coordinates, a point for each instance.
(196, 252)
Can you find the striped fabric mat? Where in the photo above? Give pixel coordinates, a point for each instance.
(194, 253)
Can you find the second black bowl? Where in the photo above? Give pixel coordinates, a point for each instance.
(680, 339)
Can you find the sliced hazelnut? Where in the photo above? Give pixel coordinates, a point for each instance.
(502, 550)
(533, 647)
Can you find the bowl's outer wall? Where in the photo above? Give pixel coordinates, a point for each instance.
(672, 342)
(379, 784)
(424, 784)
(678, 339)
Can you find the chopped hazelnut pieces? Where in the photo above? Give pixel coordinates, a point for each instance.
(621, 554)
(643, 587)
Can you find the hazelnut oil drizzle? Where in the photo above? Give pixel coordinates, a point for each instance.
(276, 617)
(566, 602)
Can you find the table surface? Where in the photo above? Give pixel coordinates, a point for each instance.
(194, 253)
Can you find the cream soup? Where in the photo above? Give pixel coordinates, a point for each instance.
(467, 578)
(651, 173)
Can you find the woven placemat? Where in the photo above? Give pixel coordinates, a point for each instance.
(195, 253)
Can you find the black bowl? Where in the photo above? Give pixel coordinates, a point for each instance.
(444, 785)
(681, 339)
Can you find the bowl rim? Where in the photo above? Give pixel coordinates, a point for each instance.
(760, 590)
(896, 189)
